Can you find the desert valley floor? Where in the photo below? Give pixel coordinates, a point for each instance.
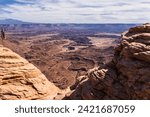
(65, 55)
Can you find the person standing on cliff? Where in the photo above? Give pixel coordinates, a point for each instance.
(2, 35)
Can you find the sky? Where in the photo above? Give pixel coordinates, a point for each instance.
(76, 11)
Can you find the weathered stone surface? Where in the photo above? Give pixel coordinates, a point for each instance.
(21, 80)
(127, 76)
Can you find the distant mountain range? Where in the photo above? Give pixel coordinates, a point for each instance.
(108, 27)
(12, 21)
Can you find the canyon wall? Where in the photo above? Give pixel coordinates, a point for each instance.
(127, 76)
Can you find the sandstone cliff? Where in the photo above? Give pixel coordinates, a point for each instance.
(21, 80)
(127, 76)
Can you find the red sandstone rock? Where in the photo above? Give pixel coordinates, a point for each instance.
(127, 76)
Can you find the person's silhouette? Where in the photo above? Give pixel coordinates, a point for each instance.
(2, 35)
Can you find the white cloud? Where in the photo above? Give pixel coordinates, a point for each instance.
(79, 11)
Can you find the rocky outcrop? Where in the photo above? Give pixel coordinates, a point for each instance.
(127, 76)
(21, 80)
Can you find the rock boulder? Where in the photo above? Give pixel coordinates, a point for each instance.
(21, 80)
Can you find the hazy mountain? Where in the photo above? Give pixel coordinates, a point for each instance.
(64, 27)
(12, 21)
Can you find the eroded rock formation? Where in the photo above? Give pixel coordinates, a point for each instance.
(127, 76)
(21, 80)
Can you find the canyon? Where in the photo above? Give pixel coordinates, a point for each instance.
(126, 76)
(75, 62)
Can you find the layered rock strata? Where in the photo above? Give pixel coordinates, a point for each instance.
(127, 76)
(21, 80)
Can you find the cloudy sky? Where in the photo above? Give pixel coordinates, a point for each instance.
(77, 11)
